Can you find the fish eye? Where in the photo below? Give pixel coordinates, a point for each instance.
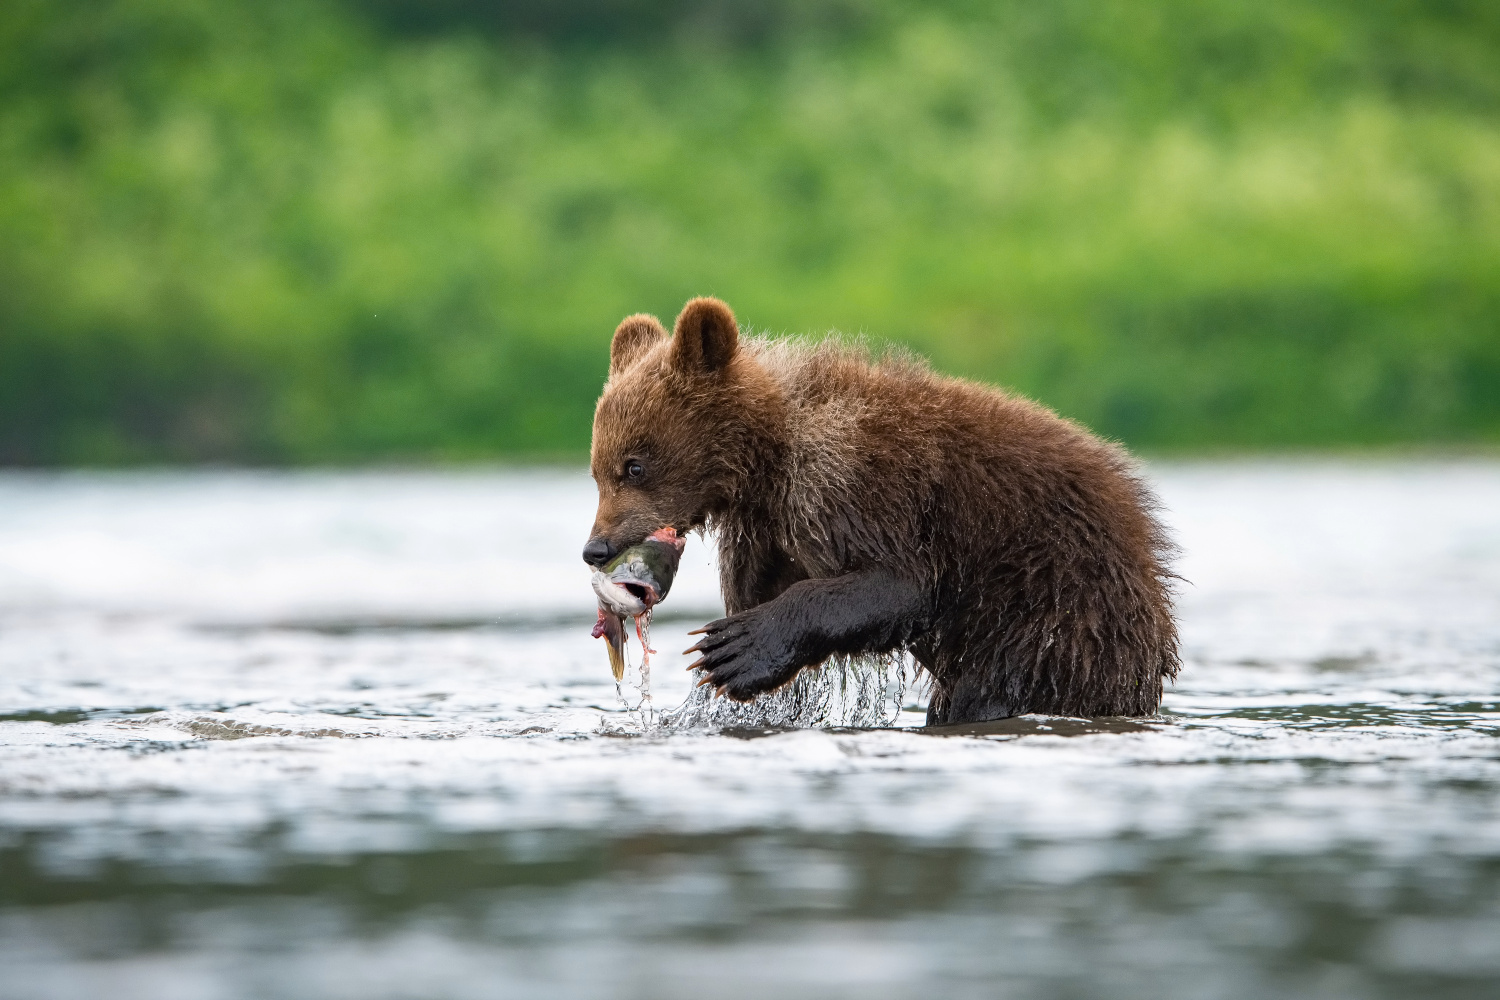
(634, 469)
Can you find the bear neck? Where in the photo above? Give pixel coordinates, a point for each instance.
(797, 409)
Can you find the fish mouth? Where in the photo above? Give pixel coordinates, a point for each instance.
(625, 598)
(646, 595)
(641, 591)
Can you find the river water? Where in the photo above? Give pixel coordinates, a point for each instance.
(346, 735)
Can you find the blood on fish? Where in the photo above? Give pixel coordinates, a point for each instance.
(646, 651)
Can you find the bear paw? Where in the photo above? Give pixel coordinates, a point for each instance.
(746, 654)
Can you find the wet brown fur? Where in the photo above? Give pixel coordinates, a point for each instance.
(1034, 544)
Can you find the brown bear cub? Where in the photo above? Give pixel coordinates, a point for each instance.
(868, 505)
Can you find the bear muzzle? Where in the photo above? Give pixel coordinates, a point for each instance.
(599, 551)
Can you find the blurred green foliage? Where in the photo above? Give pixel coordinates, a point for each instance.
(263, 230)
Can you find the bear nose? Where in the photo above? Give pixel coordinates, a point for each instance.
(598, 551)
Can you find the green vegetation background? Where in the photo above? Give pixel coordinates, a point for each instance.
(341, 230)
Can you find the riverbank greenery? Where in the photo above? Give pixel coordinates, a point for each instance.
(347, 230)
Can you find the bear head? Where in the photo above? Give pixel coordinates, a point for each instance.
(682, 426)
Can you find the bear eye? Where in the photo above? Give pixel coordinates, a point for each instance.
(634, 469)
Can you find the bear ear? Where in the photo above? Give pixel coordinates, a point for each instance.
(705, 337)
(634, 337)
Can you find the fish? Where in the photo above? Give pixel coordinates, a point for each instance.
(629, 586)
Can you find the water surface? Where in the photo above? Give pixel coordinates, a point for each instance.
(328, 735)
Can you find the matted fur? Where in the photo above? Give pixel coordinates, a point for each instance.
(1035, 545)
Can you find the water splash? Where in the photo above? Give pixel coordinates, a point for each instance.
(856, 691)
(644, 709)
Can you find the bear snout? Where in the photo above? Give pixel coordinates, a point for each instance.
(599, 551)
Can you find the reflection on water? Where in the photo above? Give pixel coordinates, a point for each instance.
(656, 915)
(348, 735)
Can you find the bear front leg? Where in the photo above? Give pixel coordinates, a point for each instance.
(763, 647)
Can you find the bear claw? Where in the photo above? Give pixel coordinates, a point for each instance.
(744, 655)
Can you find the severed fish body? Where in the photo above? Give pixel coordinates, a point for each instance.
(630, 585)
